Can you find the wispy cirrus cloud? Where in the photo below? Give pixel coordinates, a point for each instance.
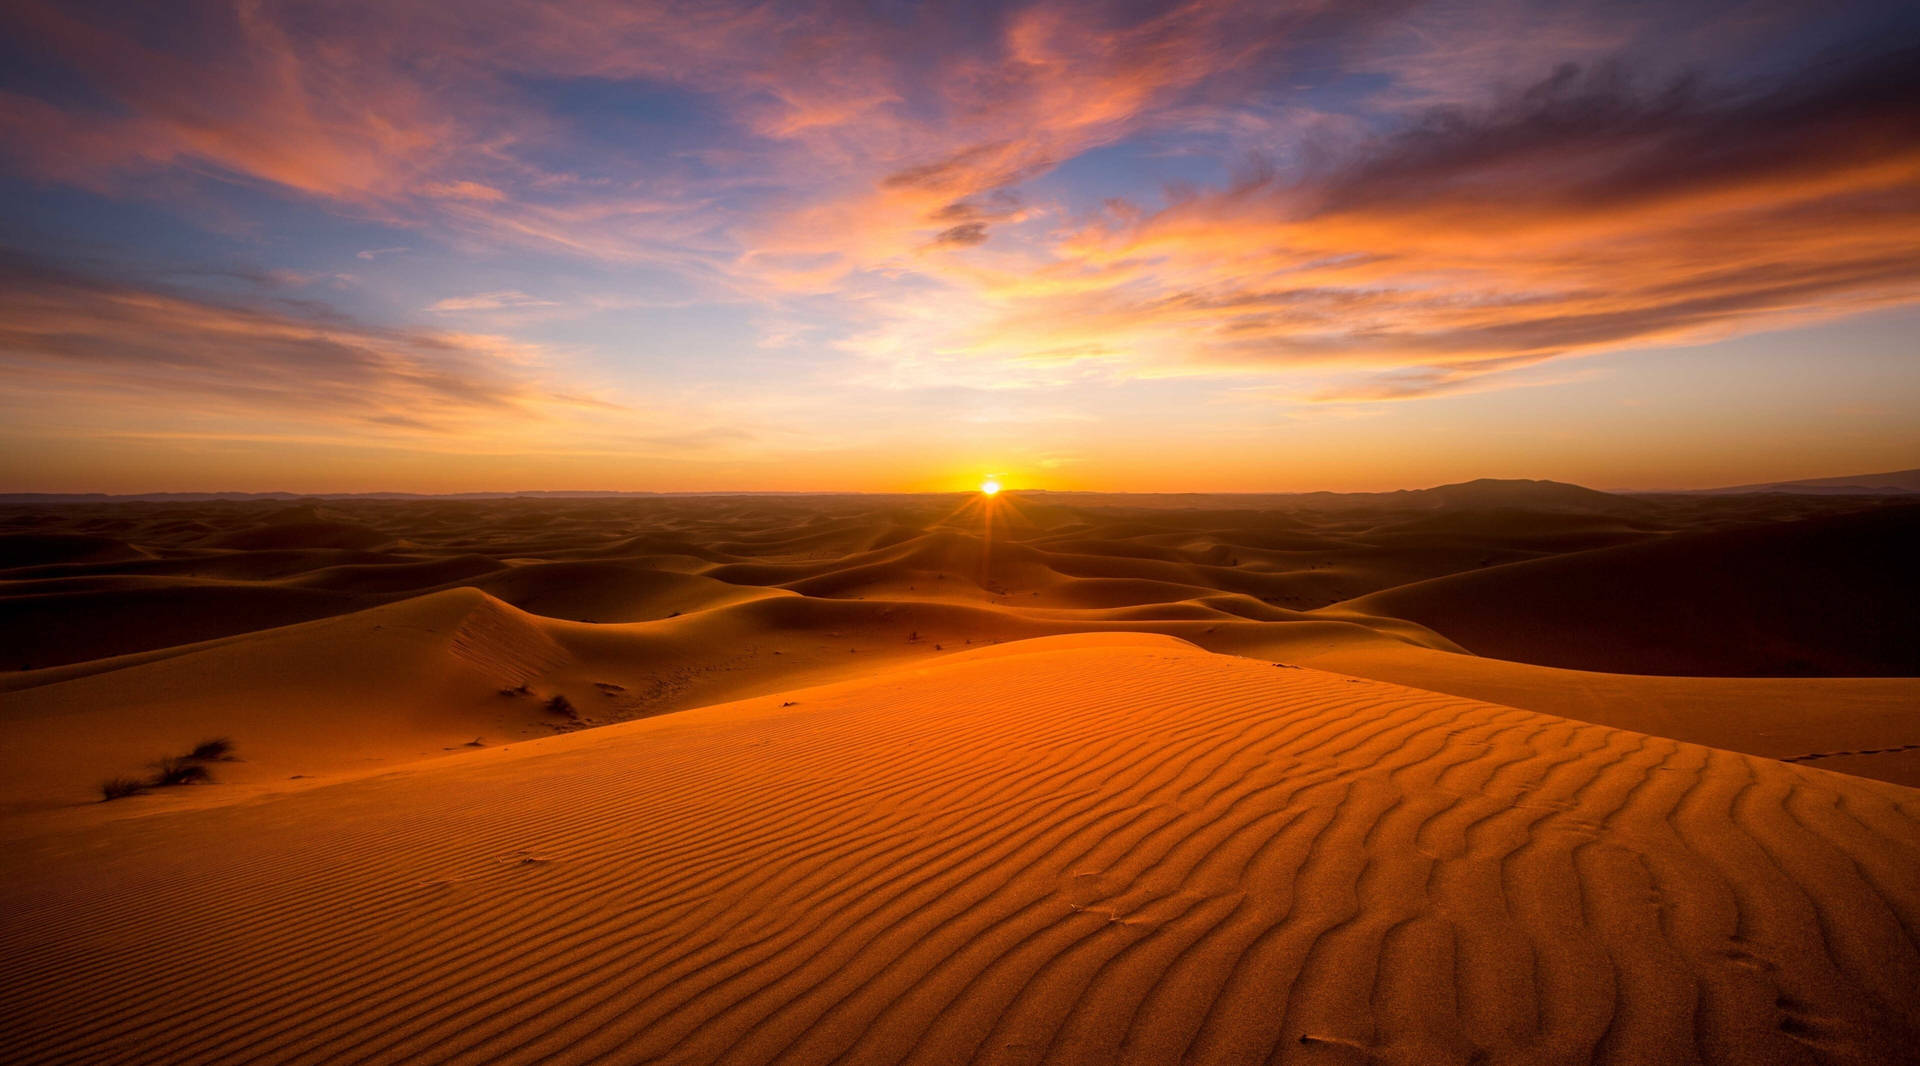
(229, 88)
(507, 299)
(67, 334)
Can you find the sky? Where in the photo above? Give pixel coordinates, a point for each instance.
(341, 246)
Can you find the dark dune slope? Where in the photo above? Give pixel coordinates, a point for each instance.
(1830, 596)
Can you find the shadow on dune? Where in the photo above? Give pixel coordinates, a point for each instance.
(1830, 596)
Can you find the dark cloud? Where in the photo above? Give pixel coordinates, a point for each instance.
(1599, 137)
(967, 233)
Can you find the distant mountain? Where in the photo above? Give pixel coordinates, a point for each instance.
(1896, 482)
(1516, 492)
(1507, 494)
(1516, 495)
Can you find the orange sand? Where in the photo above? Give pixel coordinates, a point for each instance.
(921, 798)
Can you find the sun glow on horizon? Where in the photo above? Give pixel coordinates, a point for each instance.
(989, 487)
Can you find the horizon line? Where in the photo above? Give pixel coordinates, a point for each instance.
(1833, 483)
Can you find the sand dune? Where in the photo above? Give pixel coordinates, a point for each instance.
(1827, 596)
(328, 698)
(693, 601)
(1082, 850)
(42, 628)
(37, 549)
(1859, 725)
(609, 592)
(851, 779)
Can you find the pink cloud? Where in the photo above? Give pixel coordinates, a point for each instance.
(64, 333)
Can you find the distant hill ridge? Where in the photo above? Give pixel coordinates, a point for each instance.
(1893, 482)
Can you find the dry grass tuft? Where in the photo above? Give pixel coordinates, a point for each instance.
(179, 771)
(188, 769)
(114, 788)
(219, 749)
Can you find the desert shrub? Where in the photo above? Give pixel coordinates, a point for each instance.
(114, 788)
(171, 771)
(185, 769)
(214, 750)
(562, 706)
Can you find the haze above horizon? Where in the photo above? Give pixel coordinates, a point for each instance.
(1210, 246)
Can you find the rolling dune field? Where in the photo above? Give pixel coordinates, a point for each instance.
(1500, 772)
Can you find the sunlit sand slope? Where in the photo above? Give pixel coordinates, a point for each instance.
(1082, 849)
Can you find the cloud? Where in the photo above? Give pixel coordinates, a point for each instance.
(490, 301)
(463, 190)
(966, 233)
(926, 169)
(87, 338)
(228, 89)
(1585, 213)
(1043, 83)
(853, 132)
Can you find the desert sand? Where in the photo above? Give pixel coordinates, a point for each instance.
(1503, 771)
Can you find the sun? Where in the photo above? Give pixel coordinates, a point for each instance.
(989, 487)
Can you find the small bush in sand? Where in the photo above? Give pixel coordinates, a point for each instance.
(219, 749)
(188, 769)
(171, 771)
(114, 788)
(562, 706)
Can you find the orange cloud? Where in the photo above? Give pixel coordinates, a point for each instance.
(1580, 216)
